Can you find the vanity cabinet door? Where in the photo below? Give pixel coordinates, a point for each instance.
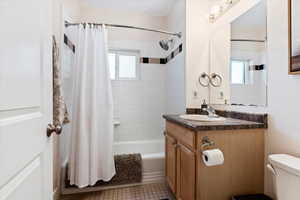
(171, 162)
(186, 173)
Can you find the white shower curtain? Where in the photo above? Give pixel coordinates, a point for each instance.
(91, 154)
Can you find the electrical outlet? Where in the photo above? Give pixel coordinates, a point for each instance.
(195, 95)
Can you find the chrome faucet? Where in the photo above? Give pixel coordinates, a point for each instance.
(211, 111)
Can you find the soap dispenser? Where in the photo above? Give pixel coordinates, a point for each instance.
(203, 110)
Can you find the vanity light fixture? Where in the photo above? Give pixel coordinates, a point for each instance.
(221, 8)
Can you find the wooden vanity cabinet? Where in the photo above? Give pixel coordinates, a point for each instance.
(181, 161)
(241, 173)
(186, 173)
(171, 152)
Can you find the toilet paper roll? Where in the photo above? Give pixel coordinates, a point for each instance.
(213, 157)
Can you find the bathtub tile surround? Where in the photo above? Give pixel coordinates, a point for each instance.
(150, 192)
(253, 117)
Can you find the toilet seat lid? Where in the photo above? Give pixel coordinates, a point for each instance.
(286, 162)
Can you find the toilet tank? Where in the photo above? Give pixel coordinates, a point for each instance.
(287, 176)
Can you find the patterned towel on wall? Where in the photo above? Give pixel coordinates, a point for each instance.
(60, 113)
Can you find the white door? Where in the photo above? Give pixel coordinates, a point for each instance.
(25, 99)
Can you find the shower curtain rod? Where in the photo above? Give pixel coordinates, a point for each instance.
(246, 40)
(179, 35)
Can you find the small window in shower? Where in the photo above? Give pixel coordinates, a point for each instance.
(124, 64)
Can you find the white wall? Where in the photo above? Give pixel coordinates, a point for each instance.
(219, 63)
(254, 92)
(175, 69)
(197, 50)
(64, 10)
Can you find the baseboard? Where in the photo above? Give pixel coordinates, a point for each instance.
(56, 194)
(153, 177)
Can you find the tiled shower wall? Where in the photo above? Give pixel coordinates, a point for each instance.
(139, 104)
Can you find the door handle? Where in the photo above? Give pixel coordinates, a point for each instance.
(51, 128)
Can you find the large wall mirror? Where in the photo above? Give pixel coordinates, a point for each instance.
(294, 36)
(243, 67)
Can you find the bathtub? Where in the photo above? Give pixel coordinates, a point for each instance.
(153, 162)
(153, 157)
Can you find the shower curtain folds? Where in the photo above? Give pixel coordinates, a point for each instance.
(91, 154)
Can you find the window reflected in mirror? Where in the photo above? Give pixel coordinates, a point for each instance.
(239, 70)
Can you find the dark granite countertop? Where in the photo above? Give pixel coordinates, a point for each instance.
(229, 124)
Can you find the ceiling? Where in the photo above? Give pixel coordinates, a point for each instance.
(150, 7)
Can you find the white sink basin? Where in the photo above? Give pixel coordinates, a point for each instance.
(202, 118)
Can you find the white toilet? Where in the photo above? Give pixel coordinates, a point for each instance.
(286, 171)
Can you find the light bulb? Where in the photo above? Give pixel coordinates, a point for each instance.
(215, 10)
(228, 2)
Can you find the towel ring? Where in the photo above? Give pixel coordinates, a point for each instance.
(213, 77)
(204, 76)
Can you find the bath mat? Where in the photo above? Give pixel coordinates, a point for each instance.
(128, 171)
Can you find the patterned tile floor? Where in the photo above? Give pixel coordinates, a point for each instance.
(143, 192)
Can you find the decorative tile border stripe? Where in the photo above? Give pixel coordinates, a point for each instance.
(69, 43)
(147, 60)
(256, 67)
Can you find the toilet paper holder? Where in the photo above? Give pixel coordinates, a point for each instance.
(206, 142)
